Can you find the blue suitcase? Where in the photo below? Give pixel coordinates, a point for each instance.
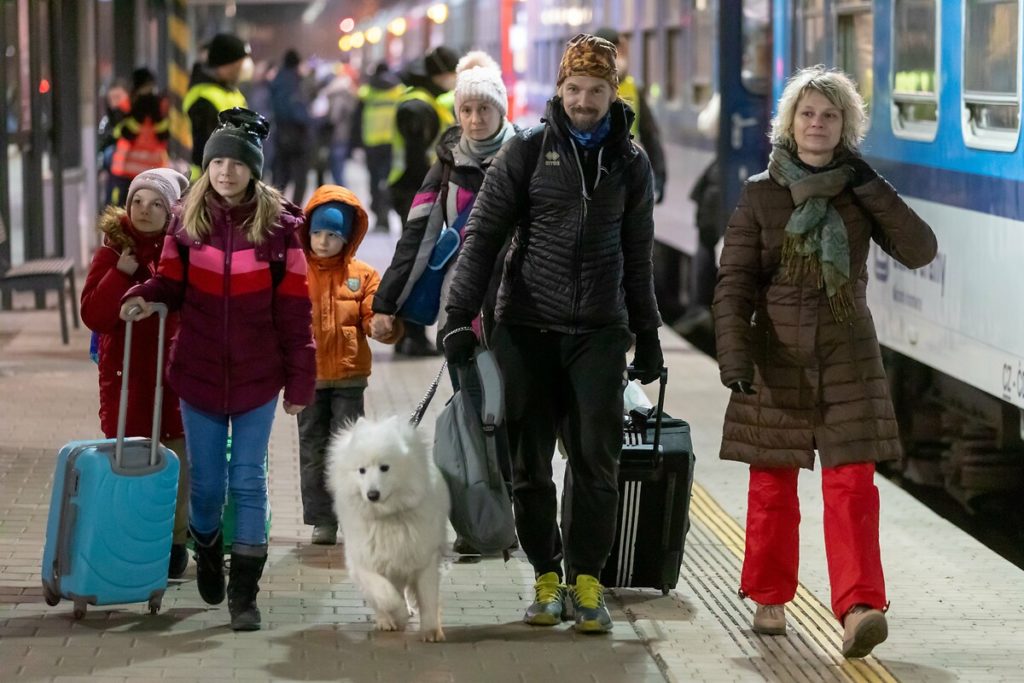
(108, 535)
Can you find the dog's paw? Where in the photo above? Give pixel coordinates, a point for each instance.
(384, 622)
(432, 635)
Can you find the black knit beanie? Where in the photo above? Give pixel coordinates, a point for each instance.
(225, 48)
(441, 60)
(240, 136)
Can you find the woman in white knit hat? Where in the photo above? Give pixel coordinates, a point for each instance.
(445, 199)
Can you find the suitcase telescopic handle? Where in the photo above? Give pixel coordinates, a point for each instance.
(631, 374)
(158, 400)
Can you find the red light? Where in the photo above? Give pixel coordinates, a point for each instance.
(44, 86)
(347, 24)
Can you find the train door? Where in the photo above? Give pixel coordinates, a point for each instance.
(745, 87)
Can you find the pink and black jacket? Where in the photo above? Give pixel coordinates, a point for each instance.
(245, 327)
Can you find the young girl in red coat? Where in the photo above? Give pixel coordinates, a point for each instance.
(131, 247)
(233, 265)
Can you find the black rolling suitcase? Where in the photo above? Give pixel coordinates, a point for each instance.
(655, 481)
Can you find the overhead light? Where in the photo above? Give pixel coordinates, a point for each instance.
(397, 26)
(313, 10)
(347, 24)
(357, 40)
(438, 13)
(374, 34)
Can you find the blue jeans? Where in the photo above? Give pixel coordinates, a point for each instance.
(206, 436)
(336, 157)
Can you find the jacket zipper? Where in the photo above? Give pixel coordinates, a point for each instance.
(577, 269)
(227, 295)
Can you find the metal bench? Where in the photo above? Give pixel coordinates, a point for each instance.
(41, 276)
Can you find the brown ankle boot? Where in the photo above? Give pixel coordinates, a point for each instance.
(863, 629)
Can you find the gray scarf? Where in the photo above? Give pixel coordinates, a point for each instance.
(816, 242)
(482, 150)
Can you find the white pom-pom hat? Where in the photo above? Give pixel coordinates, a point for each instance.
(479, 78)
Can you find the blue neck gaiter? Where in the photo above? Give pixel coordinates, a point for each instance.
(594, 138)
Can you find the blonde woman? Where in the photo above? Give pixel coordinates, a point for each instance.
(797, 346)
(233, 265)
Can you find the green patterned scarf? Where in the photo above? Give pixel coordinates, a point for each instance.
(816, 241)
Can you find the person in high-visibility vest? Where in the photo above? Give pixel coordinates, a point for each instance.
(141, 138)
(373, 130)
(420, 119)
(645, 128)
(214, 89)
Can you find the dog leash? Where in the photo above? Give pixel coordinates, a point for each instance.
(417, 414)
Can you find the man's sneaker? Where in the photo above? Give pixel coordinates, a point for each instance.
(588, 605)
(325, 534)
(548, 606)
(863, 629)
(770, 620)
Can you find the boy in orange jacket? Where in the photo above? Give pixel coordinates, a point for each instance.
(341, 288)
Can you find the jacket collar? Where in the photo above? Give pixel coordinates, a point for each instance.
(618, 140)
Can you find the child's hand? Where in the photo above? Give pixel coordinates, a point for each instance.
(127, 263)
(136, 308)
(381, 325)
(293, 409)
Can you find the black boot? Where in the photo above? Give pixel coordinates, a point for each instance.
(246, 569)
(210, 567)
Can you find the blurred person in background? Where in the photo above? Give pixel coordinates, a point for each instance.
(214, 88)
(420, 119)
(141, 138)
(293, 127)
(373, 127)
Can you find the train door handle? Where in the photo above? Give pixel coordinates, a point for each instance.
(738, 124)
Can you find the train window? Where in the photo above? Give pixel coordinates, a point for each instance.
(651, 77)
(672, 75)
(991, 94)
(810, 31)
(703, 30)
(915, 97)
(855, 45)
(756, 71)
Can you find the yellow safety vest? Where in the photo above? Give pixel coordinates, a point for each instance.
(379, 114)
(630, 94)
(220, 97)
(444, 116)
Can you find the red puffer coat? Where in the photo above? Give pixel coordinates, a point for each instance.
(101, 307)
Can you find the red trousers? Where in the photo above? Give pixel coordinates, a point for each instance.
(772, 557)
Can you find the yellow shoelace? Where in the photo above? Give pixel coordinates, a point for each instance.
(589, 591)
(547, 588)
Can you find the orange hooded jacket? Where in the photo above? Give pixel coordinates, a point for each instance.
(341, 288)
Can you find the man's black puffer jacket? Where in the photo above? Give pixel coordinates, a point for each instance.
(580, 259)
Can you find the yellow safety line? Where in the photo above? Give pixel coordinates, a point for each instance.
(814, 618)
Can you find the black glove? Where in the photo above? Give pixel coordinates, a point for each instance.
(647, 356)
(459, 342)
(741, 386)
(862, 171)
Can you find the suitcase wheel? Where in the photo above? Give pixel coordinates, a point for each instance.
(79, 610)
(154, 605)
(51, 597)
(665, 590)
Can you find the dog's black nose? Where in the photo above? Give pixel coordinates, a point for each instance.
(373, 495)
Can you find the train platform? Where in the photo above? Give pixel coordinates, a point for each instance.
(957, 612)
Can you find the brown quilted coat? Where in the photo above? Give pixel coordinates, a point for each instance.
(820, 383)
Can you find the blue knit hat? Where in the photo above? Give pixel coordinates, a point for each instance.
(336, 217)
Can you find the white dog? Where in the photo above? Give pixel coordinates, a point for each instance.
(392, 504)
